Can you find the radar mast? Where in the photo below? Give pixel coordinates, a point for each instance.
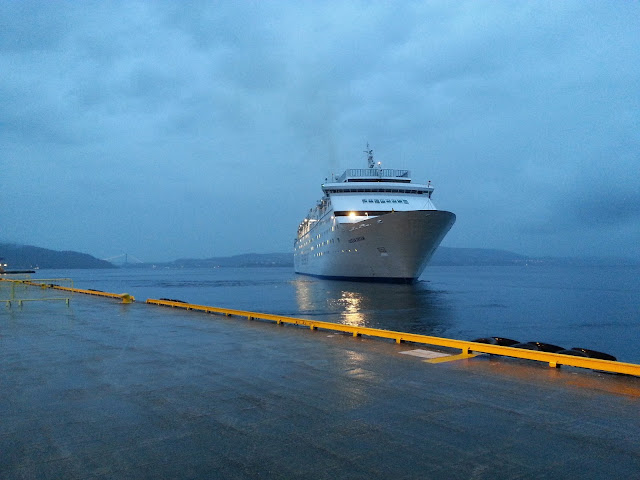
(369, 153)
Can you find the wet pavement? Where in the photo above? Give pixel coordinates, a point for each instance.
(104, 390)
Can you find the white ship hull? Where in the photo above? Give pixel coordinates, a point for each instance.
(371, 224)
(393, 247)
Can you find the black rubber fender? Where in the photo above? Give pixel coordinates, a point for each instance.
(595, 354)
(488, 340)
(547, 347)
(574, 353)
(526, 346)
(503, 342)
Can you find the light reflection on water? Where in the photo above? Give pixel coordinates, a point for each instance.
(351, 309)
(410, 308)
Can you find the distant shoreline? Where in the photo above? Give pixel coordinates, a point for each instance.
(444, 256)
(26, 257)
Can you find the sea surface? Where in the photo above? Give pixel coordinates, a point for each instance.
(589, 307)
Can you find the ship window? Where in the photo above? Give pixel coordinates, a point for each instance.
(370, 201)
(405, 201)
(377, 201)
(364, 200)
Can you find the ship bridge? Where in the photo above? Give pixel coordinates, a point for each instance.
(377, 187)
(374, 175)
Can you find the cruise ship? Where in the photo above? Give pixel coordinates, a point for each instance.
(371, 224)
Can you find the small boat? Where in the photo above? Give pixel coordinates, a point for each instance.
(4, 271)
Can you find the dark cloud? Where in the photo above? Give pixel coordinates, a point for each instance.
(167, 129)
(27, 26)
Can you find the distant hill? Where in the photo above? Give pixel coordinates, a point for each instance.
(444, 256)
(27, 256)
(448, 256)
(244, 260)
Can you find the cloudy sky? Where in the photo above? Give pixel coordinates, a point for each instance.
(199, 129)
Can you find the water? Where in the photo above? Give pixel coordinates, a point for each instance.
(597, 308)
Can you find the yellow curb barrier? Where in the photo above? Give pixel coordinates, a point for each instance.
(467, 348)
(125, 297)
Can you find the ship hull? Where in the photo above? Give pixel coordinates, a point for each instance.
(394, 247)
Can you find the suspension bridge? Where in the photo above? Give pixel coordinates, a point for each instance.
(124, 259)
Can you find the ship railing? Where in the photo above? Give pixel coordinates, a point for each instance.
(373, 173)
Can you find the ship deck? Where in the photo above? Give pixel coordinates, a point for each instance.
(102, 390)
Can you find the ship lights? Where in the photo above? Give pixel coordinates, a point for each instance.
(352, 214)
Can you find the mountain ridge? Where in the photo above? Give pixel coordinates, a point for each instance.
(444, 256)
(28, 256)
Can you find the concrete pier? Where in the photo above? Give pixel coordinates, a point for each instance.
(106, 390)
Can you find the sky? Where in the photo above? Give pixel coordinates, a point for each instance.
(169, 130)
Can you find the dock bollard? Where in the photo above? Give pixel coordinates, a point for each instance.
(126, 298)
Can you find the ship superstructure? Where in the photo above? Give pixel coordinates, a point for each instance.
(371, 223)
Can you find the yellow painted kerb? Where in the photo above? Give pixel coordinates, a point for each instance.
(467, 348)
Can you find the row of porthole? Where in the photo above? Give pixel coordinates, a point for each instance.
(319, 254)
(387, 200)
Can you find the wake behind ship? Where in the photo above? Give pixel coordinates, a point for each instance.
(371, 224)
